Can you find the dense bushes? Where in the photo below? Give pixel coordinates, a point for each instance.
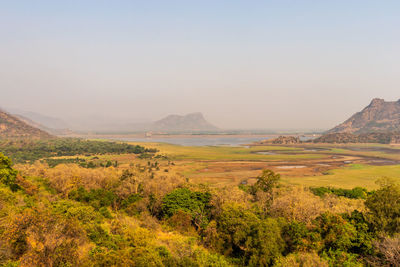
(197, 204)
(243, 235)
(355, 193)
(384, 207)
(97, 198)
(128, 216)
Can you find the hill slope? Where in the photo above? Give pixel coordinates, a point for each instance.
(12, 127)
(343, 138)
(193, 122)
(42, 120)
(379, 116)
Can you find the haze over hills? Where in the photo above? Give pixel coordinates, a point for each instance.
(40, 119)
(192, 122)
(12, 127)
(46, 123)
(378, 116)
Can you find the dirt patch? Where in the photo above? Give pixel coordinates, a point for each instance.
(266, 153)
(291, 167)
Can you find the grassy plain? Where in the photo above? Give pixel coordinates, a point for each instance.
(344, 166)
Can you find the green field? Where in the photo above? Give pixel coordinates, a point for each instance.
(350, 177)
(223, 165)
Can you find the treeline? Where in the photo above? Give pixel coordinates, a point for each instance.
(31, 150)
(94, 162)
(137, 216)
(356, 193)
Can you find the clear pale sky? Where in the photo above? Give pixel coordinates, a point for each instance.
(244, 64)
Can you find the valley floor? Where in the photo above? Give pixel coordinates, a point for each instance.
(344, 166)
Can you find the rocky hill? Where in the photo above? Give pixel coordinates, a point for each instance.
(281, 140)
(379, 116)
(53, 131)
(193, 122)
(342, 138)
(12, 127)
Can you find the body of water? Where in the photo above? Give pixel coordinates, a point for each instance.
(200, 141)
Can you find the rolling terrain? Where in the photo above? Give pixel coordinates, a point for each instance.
(12, 127)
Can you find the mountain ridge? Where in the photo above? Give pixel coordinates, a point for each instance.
(378, 116)
(12, 127)
(190, 122)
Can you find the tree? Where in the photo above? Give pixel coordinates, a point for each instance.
(194, 203)
(266, 182)
(384, 207)
(7, 173)
(245, 236)
(262, 189)
(336, 232)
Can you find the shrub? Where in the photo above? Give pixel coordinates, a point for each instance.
(355, 193)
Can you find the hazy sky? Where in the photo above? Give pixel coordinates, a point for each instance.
(244, 64)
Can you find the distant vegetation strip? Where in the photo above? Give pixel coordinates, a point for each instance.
(31, 150)
(355, 193)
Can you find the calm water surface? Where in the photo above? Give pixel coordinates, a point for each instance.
(200, 141)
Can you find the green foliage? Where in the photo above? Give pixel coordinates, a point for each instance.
(101, 237)
(97, 198)
(132, 198)
(363, 243)
(336, 232)
(266, 182)
(197, 204)
(71, 209)
(7, 173)
(339, 258)
(105, 212)
(299, 237)
(384, 207)
(31, 150)
(112, 226)
(355, 193)
(54, 162)
(245, 236)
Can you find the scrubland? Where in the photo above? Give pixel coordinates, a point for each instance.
(167, 205)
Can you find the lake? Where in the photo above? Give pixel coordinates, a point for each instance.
(200, 141)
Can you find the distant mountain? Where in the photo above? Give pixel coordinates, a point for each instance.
(57, 131)
(193, 122)
(189, 123)
(379, 116)
(40, 119)
(12, 127)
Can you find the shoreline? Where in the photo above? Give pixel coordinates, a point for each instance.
(166, 136)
